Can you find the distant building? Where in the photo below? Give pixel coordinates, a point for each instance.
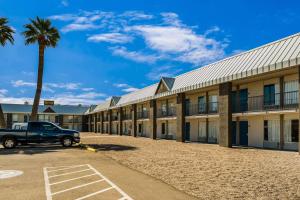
(66, 116)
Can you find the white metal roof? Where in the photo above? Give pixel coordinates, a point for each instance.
(280, 54)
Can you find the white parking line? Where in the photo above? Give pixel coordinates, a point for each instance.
(76, 187)
(66, 168)
(69, 173)
(102, 178)
(73, 179)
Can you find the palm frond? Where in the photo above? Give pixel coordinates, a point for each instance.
(41, 31)
(6, 32)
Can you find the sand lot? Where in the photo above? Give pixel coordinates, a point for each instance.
(208, 171)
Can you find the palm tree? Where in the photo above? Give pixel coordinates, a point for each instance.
(6, 34)
(40, 31)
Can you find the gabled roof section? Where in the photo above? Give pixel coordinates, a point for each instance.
(49, 110)
(165, 84)
(114, 100)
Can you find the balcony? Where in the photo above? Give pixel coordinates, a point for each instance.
(143, 115)
(201, 109)
(261, 103)
(114, 117)
(169, 112)
(127, 116)
(105, 118)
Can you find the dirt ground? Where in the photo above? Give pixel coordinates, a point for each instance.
(208, 171)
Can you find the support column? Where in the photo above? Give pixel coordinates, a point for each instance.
(134, 123)
(281, 141)
(237, 102)
(298, 108)
(281, 90)
(238, 133)
(95, 123)
(101, 123)
(180, 119)
(89, 122)
(206, 129)
(225, 112)
(152, 119)
(120, 119)
(109, 113)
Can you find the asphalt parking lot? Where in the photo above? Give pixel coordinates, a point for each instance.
(51, 172)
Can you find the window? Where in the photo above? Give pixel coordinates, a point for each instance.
(213, 103)
(35, 127)
(15, 117)
(25, 118)
(213, 130)
(49, 127)
(266, 138)
(187, 107)
(295, 130)
(163, 128)
(291, 89)
(271, 95)
(272, 130)
(202, 129)
(201, 104)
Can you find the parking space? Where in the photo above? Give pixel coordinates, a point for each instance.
(80, 182)
(50, 172)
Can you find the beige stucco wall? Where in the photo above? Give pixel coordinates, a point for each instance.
(171, 130)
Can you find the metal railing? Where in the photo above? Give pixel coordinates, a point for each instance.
(105, 118)
(169, 112)
(261, 103)
(114, 117)
(127, 116)
(143, 115)
(201, 109)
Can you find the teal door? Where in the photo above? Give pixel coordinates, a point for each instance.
(233, 131)
(187, 131)
(244, 133)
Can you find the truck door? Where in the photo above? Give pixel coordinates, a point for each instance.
(34, 131)
(50, 133)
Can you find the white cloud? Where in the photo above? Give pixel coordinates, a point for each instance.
(125, 87)
(78, 27)
(20, 83)
(111, 38)
(171, 18)
(131, 89)
(136, 15)
(87, 89)
(65, 3)
(3, 92)
(165, 38)
(134, 55)
(183, 43)
(164, 71)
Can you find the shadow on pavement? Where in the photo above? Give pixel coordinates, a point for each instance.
(32, 149)
(112, 147)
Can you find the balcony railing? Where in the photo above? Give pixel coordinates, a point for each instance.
(127, 116)
(261, 103)
(114, 117)
(143, 115)
(201, 109)
(169, 112)
(105, 118)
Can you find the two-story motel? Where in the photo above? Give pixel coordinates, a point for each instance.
(248, 99)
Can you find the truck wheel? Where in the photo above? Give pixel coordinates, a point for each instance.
(67, 142)
(9, 143)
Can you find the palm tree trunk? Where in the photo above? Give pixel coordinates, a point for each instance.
(39, 86)
(2, 119)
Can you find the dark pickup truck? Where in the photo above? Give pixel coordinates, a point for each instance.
(38, 132)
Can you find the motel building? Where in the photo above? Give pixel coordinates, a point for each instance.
(249, 99)
(66, 116)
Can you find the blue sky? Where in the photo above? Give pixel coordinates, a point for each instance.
(113, 47)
